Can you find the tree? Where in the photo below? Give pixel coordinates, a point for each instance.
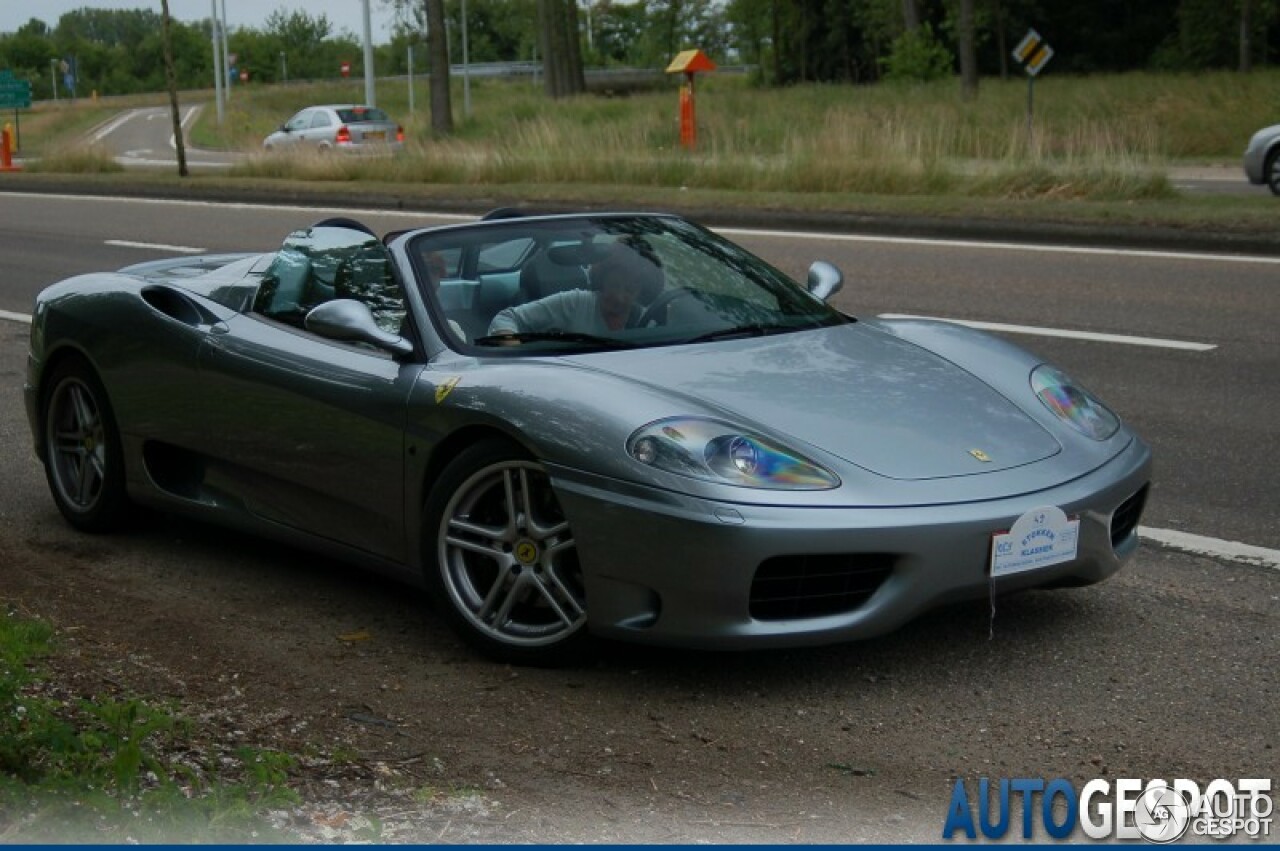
(968, 52)
(438, 53)
(1246, 32)
(559, 44)
(910, 15)
(171, 78)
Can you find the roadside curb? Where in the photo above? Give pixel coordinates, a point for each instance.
(1163, 238)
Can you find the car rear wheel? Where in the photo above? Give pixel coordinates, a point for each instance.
(501, 557)
(1272, 171)
(84, 463)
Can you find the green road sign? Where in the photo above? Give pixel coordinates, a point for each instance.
(14, 93)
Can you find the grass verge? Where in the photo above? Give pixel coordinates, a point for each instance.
(109, 770)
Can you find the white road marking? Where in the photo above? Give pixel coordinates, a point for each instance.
(835, 237)
(15, 317)
(191, 162)
(1005, 246)
(1212, 547)
(417, 215)
(158, 246)
(113, 125)
(191, 111)
(1092, 336)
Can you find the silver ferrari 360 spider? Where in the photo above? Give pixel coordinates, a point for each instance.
(619, 425)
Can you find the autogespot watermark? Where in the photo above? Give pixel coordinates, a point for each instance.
(1127, 808)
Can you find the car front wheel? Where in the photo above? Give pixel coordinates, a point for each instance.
(501, 557)
(84, 463)
(1272, 171)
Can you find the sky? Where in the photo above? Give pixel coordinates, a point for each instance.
(342, 14)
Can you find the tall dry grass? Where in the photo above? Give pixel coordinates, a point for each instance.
(1094, 137)
(74, 157)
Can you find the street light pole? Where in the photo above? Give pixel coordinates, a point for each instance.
(226, 61)
(53, 77)
(284, 68)
(466, 66)
(217, 59)
(370, 95)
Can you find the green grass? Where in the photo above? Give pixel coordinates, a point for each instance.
(112, 770)
(1097, 138)
(1098, 152)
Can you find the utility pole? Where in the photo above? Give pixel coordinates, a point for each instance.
(217, 60)
(466, 66)
(226, 61)
(370, 95)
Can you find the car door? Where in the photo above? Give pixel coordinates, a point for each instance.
(311, 430)
(321, 132)
(295, 128)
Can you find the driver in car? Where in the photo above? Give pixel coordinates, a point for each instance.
(617, 282)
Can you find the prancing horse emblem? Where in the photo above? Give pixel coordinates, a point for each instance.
(980, 455)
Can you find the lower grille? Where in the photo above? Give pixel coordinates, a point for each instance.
(1125, 518)
(811, 586)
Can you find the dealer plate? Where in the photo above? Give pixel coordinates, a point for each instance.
(1042, 537)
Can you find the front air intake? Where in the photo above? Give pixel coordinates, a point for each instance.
(813, 586)
(1124, 520)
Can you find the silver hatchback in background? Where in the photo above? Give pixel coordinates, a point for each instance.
(1262, 158)
(345, 127)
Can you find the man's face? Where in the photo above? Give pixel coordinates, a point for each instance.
(617, 294)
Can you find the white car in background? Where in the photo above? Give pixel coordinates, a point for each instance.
(343, 127)
(1262, 158)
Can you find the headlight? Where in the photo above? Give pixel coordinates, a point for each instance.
(716, 451)
(1073, 403)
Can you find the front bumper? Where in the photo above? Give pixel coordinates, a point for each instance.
(666, 568)
(1255, 154)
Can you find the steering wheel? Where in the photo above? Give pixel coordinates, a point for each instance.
(660, 303)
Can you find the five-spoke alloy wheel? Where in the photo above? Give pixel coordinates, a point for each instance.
(502, 557)
(83, 460)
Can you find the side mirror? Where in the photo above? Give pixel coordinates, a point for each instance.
(825, 280)
(351, 321)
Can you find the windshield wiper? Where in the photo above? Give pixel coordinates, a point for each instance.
(552, 336)
(753, 330)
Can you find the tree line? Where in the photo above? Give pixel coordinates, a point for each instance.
(785, 41)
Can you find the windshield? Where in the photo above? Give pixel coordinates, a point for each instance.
(572, 284)
(358, 114)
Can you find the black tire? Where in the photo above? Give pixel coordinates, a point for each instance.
(84, 463)
(1271, 171)
(508, 580)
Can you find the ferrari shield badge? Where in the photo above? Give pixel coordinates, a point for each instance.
(980, 455)
(445, 388)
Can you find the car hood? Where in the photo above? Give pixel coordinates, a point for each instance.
(879, 402)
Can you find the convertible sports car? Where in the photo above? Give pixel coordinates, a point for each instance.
(717, 459)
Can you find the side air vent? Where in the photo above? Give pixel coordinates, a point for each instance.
(813, 586)
(177, 306)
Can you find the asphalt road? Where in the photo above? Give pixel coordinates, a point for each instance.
(143, 138)
(1209, 414)
(1167, 670)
